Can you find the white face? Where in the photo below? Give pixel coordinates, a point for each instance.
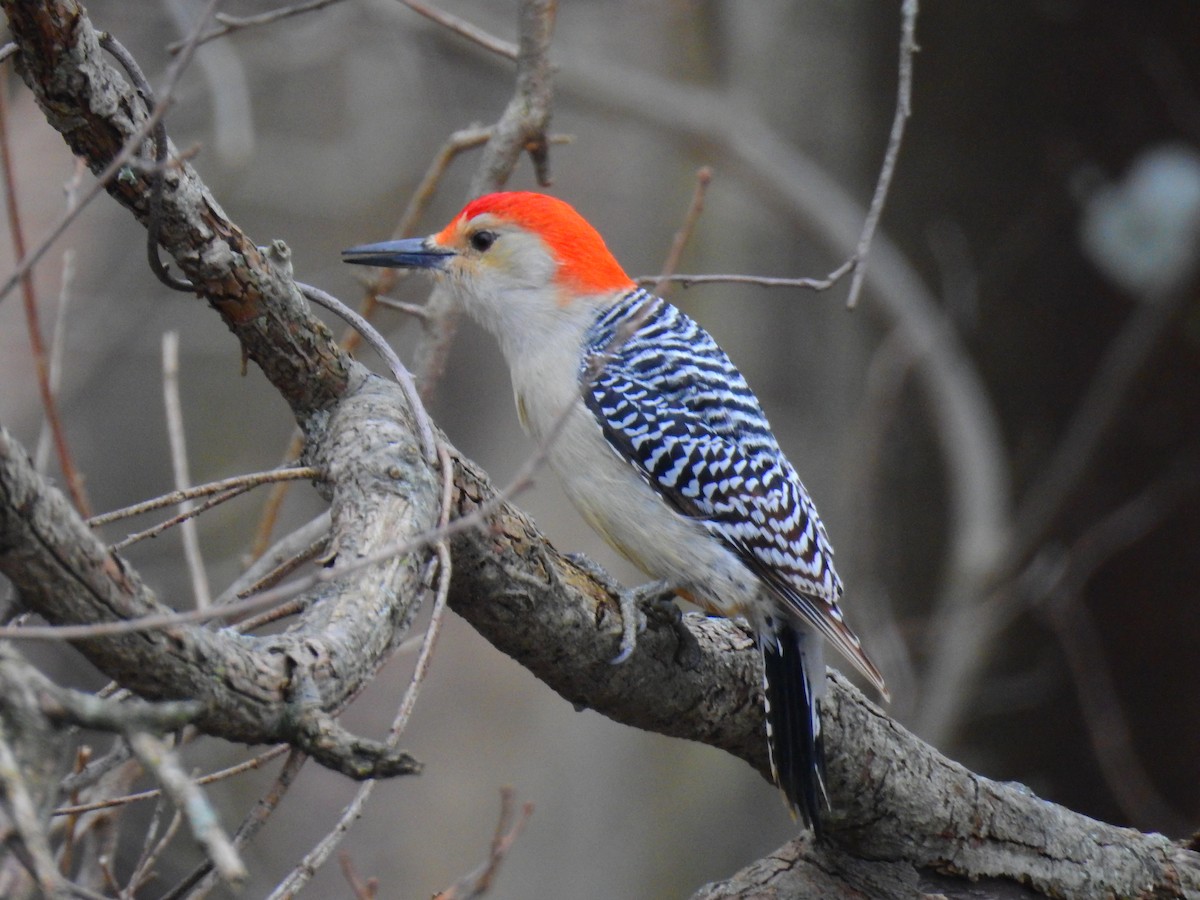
(495, 262)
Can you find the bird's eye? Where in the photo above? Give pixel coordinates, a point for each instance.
(482, 240)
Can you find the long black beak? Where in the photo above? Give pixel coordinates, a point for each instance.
(410, 253)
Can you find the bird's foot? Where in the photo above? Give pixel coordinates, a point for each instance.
(633, 621)
(656, 599)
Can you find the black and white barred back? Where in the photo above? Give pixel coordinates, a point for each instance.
(671, 402)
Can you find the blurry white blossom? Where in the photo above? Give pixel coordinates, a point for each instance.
(1144, 232)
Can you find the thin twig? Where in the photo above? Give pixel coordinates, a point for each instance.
(282, 593)
(255, 762)
(144, 871)
(23, 818)
(167, 524)
(36, 346)
(810, 284)
(416, 310)
(383, 348)
(684, 234)
(385, 279)
(908, 47)
(230, 24)
(478, 882)
(201, 878)
(520, 129)
(202, 819)
(363, 890)
(58, 336)
(297, 473)
(177, 440)
(157, 172)
(70, 832)
(463, 28)
(274, 502)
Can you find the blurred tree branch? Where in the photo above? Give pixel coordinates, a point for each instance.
(901, 811)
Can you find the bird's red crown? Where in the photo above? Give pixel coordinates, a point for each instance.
(585, 264)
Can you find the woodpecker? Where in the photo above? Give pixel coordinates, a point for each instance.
(661, 445)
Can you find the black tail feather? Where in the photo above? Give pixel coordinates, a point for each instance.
(793, 722)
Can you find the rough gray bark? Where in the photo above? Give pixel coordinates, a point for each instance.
(907, 820)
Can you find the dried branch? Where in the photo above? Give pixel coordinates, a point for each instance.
(908, 47)
(463, 28)
(199, 882)
(363, 890)
(225, 485)
(177, 440)
(246, 765)
(479, 882)
(230, 24)
(21, 812)
(307, 867)
(810, 284)
(156, 755)
(36, 345)
(684, 234)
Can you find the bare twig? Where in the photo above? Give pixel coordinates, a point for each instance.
(363, 890)
(144, 870)
(202, 877)
(155, 755)
(159, 145)
(66, 856)
(522, 127)
(379, 345)
(908, 46)
(478, 882)
(23, 816)
(36, 346)
(684, 234)
(298, 473)
(179, 467)
(811, 284)
(275, 497)
(463, 28)
(58, 335)
(179, 518)
(424, 658)
(416, 310)
(386, 279)
(230, 24)
(247, 765)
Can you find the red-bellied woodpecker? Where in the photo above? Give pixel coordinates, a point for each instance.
(659, 442)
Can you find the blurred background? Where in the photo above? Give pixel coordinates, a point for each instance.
(1002, 437)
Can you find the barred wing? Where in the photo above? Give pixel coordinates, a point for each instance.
(672, 404)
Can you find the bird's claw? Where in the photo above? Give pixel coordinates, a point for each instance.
(633, 620)
(659, 599)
